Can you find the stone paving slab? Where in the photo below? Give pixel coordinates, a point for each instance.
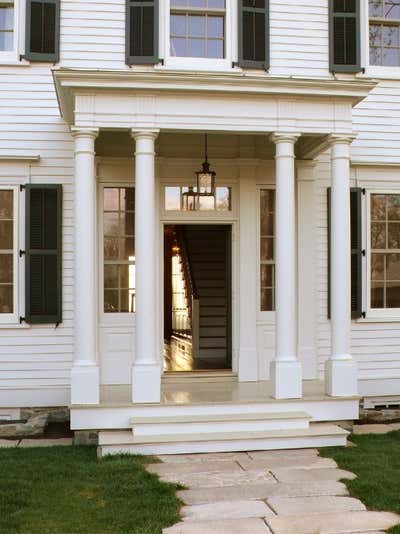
(295, 506)
(8, 443)
(237, 526)
(203, 457)
(395, 426)
(283, 454)
(261, 492)
(311, 475)
(45, 442)
(372, 429)
(310, 462)
(195, 467)
(225, 510)
(333, 523)
(220, 479)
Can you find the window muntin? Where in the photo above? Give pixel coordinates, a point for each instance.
(7, 251)
(267, 250)
(385, 251)
(384, 32)
(119, 249)
(7, 16)
(197, 28)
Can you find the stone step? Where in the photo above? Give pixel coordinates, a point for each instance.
(205, 424)
(314, 436)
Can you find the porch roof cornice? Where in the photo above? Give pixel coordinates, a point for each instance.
(68, 82)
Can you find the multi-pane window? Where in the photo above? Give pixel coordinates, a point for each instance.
(6, 251)
(6, 26)
(267, 250)
(197, 28)
(119, 249)
(385, 251)
(384, 32)
(185, 198)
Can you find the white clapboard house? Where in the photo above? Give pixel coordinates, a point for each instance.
(200, 218)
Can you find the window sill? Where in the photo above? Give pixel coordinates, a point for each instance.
(385, 73)
(371, 319)
(14, 326)
(198, 64)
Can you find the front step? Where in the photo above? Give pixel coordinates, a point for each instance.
(317, 435)
(211, 423)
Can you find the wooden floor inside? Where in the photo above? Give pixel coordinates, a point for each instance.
(178, 357)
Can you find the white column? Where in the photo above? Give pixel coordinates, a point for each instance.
(341, 369)
(286, 373)
(146, 371)
(85, 370)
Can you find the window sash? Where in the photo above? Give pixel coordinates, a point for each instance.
(13, 318)
(262, 262)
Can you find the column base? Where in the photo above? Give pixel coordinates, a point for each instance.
(286, 379)
(85, 384)
(248, 365)
(341, 378)
(146, 383)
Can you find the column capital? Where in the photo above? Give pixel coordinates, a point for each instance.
(144, 134)
(341, 139)
(77, 131)
(284, 137)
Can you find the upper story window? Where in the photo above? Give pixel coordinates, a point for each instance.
(197, 28)
(384, 32)
(6, 26)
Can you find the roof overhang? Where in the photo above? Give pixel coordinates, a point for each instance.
(69, 82)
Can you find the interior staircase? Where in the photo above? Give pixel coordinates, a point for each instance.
(207, 249)
(209, 428)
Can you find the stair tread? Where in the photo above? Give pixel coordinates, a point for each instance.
(243, 416)
(113, 438)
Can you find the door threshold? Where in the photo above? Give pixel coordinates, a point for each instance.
(217, 375)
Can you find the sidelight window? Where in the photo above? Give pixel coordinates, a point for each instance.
(119, 249)
(267, 250)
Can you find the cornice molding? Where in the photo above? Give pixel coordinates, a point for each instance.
(69, 82)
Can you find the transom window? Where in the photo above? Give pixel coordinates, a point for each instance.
(197, 28)
(119, 249)
(384, 32)
(185, 198)
(267, 250)
(385, 250)
(6, 26)
(7, 251)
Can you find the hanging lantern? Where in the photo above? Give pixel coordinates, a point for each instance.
(205, 177)
(190, 199)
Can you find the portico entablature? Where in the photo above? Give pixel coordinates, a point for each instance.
(254, 104)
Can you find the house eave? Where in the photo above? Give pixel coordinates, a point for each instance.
(70, 81)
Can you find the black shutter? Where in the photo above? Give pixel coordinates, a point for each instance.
(142, 32)
(344, 30)
(254, 34)
(356, 252)
(42, 30)
(43, 283)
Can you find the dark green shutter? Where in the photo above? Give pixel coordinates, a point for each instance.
(344, 35)
(253, 34)
(356, 252)
(42, 30)
(43, 280)
(142, 32)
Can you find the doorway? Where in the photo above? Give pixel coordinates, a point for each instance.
(197, 297)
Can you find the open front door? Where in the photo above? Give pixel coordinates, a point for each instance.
(197, 297)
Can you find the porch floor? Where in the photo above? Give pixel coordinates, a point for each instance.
(211, 389)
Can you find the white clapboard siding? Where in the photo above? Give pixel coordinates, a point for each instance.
(38, 357)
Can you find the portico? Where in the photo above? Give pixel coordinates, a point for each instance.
(284, 115)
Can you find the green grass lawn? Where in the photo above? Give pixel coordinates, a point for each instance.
(376, 462)
(68, 490)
